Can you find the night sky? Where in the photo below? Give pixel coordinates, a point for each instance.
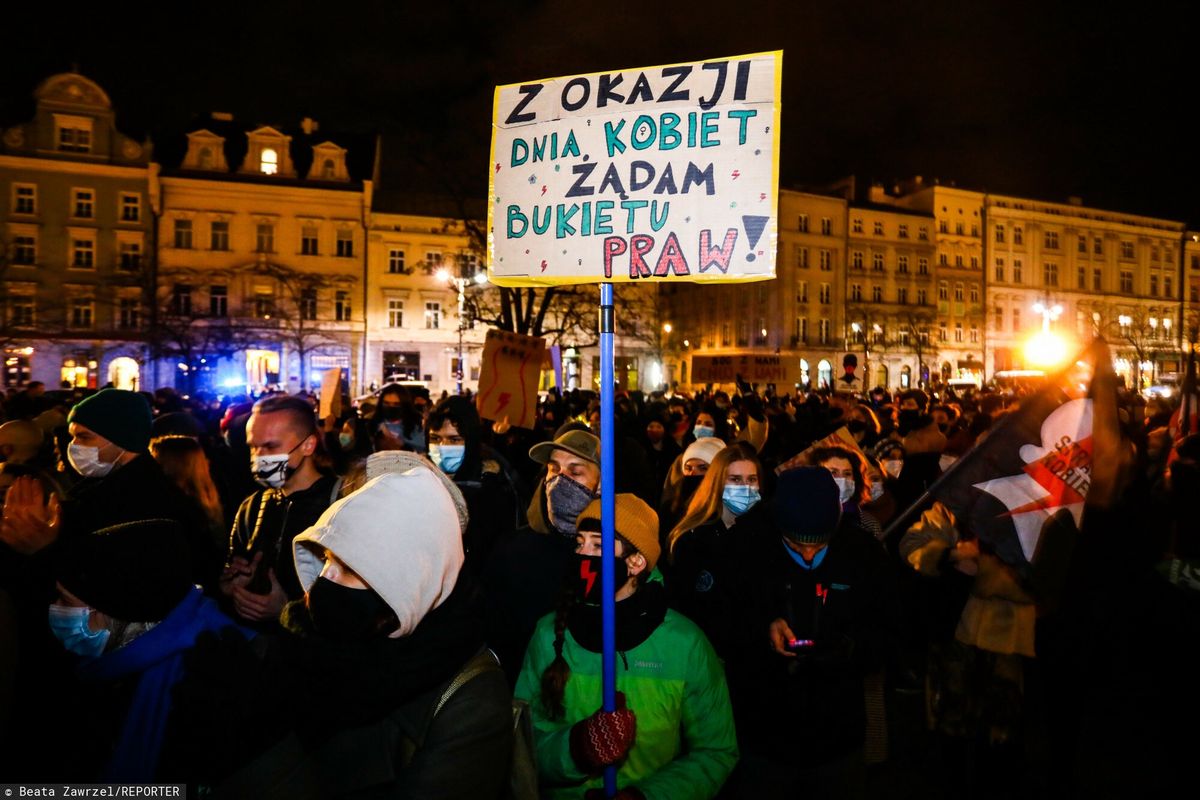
(1030, 99)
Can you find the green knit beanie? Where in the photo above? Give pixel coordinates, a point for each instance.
(122, 417)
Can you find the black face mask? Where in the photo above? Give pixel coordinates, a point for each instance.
(339, 612)
(909, 420)
(587, 577)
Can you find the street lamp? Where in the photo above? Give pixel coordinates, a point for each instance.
(460, 284)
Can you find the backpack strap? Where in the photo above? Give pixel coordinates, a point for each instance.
(483, 661)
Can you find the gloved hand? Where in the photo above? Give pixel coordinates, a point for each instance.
(603, 738)
(628, 793)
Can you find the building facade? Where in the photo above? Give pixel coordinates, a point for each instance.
(262, 261)
(891, 305)
(799, 316)
(415, 263)
(1082, 272)
(76, 228)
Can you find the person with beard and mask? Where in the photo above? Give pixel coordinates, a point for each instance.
(524, 574)
(672, 735)
(685, 476)
(706, 547)
(285, 443)
(456, 448)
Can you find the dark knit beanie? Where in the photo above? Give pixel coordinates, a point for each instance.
(807, 507)
(176, 423)
(133, 572)
(122, 417)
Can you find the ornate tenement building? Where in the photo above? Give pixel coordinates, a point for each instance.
(76, 200)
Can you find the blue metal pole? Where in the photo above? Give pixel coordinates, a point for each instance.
(608, 507)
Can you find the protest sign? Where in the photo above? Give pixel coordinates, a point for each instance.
(331, 394)
(752, 367)
(661, 173)
(508, 379)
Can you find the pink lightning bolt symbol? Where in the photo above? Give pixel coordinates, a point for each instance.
(735, 175)
(497, 166)
(543, 188)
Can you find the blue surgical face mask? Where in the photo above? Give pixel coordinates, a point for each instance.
(739, 498)
(346, 440)
(448, 457)
(702, 431)
(69, 624)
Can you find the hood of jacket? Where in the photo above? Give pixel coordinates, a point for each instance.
(400, 533)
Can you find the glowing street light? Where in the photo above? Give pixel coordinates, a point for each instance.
(460, 284)
(667, 327)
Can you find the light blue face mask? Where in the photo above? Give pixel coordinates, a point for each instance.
(702, 431)
(69, 624)
(448, 457)
(739, 498)
(346, 440)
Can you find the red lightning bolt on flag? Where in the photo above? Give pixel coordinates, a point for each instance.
(543, 188)
(735, 174)
(497, 166)
(543, 265)
(1059, 492)
(586, 573)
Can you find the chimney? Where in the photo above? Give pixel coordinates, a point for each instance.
(309, 126)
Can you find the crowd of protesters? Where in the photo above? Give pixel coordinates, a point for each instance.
(260, 602)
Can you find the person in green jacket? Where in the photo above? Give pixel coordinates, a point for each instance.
(672, 735)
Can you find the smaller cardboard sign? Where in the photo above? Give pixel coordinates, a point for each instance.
(331, 395)
(508, 379)
(754, 368)
(839, 438)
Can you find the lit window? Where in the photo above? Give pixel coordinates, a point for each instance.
(269, 162)
(433, 315)
(341, 306)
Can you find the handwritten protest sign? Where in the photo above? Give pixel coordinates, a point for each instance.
(508, 378)
(753, 368)
(661, 173)
(331, 394)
